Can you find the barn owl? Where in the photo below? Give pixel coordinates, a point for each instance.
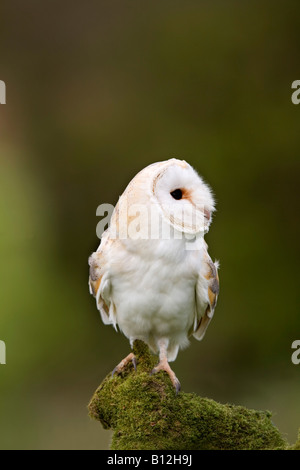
(152, 276)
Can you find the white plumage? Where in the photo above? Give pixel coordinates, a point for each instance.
(151, 275)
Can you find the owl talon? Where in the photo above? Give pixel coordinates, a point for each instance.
(164, 365)
(134, 362)
(177, 386)
(122, 365)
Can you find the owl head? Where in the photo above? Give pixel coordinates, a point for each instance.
(173, 190)
(185, 200)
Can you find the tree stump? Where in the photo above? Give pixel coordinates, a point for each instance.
(145, 413)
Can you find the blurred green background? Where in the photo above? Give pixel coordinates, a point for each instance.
(96, 91)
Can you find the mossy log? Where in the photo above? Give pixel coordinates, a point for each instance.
(146, 414)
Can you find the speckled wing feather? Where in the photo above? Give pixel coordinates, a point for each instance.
(207, 291)
(100, 284)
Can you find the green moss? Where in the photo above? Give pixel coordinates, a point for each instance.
(145, 413)
(297, 445)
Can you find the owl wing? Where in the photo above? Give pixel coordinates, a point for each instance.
(100, 283)
(207, 290)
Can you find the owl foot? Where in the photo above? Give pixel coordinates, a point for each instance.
(164, 365)
(122, 365)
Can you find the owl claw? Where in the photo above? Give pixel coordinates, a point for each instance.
(122, 365)
(177, 386)
(164, 365)
(134, 362)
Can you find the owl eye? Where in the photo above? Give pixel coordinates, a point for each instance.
(176, 194)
